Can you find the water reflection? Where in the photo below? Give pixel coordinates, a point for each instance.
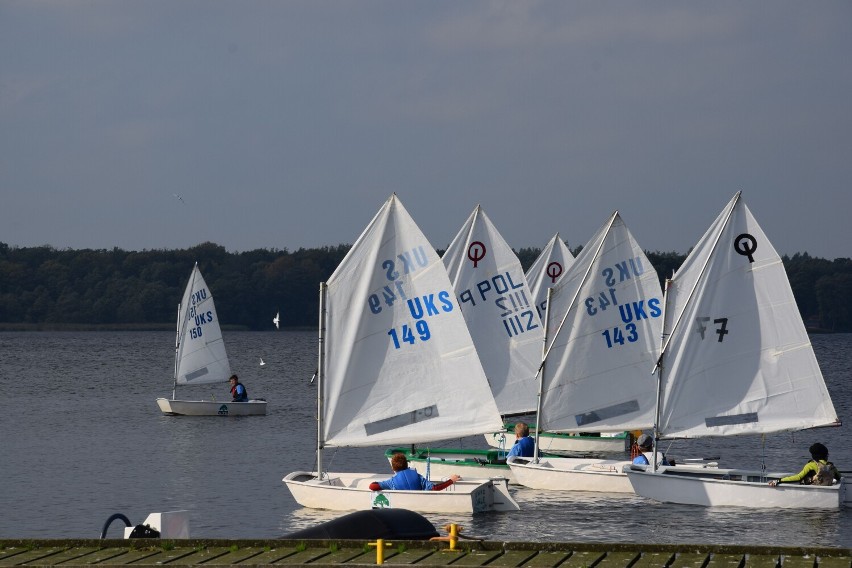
(89, 441)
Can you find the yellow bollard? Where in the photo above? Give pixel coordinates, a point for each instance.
(454, 530)
(380, 549)
(453, 538)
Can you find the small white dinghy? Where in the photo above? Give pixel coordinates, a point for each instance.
(736, 360)
(602, 331)
(397, 365)
(200, 356)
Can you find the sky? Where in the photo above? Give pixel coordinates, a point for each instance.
(281, 124)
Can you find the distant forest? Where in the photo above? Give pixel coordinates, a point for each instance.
(48, 288)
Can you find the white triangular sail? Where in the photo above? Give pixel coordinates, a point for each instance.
(737, 359)
(552, 263)
(399, 363)
(603, 322)
(200, 352)
(497, 304)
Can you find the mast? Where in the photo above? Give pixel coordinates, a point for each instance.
(321, 374)
(177, 352)
(658, 369)
(541, 375)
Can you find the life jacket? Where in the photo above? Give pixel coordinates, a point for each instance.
(406, 479)
(649, 458)
(239, 397)
(824, 474)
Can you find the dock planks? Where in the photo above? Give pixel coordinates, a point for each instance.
(153, 553)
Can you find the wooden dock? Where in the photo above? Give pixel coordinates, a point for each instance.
(328, 553)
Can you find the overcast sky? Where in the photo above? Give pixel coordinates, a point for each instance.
(286, 124)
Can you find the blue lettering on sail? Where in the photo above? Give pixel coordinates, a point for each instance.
(631, 313)
(626, 269)
(420, 308)
(517, 317)
(482, 291)
(423, 306)
(640, 310)
(394, 270)
(405, 263)
(389, 294)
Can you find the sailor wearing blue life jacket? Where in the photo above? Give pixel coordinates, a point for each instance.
(524, 444)
(646, 449)
(238, 391)
(405, 478)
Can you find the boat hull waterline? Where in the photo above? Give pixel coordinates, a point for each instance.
(350, 492)
(731, 488)
(572, 474)
(172, 407)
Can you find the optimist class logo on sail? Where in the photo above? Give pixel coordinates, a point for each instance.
(396, 293)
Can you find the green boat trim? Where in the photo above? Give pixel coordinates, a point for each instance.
(491, 458)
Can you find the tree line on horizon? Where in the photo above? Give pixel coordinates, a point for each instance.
(48, 288)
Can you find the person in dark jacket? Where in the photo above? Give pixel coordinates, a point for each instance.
(238, 391)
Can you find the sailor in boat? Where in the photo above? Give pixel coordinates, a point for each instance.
(645, 454)
(405, 478)
(524, 444)
(238, 391)
(818, 471)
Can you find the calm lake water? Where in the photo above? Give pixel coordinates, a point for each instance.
(82, 438)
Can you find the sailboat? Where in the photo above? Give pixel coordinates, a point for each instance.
(736, 360)
(551, 265)
(396, 365)
(603, 322)
(200, 356)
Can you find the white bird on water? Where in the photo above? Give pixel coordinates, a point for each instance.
(261, 362)
(276, 319)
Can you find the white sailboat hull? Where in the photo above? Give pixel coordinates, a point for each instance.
(551, 442)
(211, 408)
(571, 474)
(350, 492)
(731, 488)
